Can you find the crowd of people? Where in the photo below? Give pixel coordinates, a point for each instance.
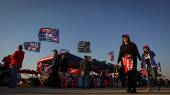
(128, 55)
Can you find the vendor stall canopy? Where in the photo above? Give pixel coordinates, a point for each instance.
(74, 62)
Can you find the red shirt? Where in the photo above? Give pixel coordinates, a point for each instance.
(17, 58)
(7, 61)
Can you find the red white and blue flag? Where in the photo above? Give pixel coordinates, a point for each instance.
(159, 64)
(32, 46)
(48, 34)
(111, 55)
(63, 51)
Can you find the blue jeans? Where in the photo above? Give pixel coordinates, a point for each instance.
(151, 70)
(14, 72)
(85, 78)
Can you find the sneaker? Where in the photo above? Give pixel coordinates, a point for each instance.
(157, 89)
(149, 89)
(88, 87)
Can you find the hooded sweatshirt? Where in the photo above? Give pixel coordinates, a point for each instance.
(17, 57)
(7, 61)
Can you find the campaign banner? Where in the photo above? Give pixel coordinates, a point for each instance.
(48, 34)
(32, 46)
(84, 47)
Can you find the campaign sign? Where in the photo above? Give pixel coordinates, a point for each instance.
(48, 34)
(32, 46)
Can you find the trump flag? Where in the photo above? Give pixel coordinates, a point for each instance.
(48, 34)
(32, 46)
(84, 47)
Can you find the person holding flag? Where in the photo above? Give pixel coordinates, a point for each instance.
(149, 66)
(128, 56)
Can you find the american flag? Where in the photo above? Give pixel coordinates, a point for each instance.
(111, 55)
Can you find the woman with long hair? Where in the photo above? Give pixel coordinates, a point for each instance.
(128, 56)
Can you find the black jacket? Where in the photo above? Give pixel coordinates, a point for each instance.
(134, 53)
(64, 65)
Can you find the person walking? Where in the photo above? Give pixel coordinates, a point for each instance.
(128, 56)
(55, 68)
(63, 69)
(17, 59)
(149, 66)
(85, 68)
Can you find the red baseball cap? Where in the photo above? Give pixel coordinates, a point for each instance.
(145, 46)
(125, 35)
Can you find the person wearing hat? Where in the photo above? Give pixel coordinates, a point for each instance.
(17, 59)
(55, 68)
(63, 69)
(149, 66)
(128, 56)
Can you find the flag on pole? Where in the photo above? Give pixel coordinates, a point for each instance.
(111, 55)
(48, 34)
(32, 46)
(84, 47)
(159, 64)
(63, 51)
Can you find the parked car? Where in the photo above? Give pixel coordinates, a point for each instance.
(5, 76)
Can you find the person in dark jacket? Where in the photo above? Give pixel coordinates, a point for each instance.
(128, 56)
(85, 68)
(149, 66)
(55, 68)
(63, 69)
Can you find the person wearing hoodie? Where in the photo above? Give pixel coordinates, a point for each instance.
(17, 59)
(149, 66)
(63, 69)
(7, 61)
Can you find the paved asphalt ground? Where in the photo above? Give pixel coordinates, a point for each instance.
(26, 90)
